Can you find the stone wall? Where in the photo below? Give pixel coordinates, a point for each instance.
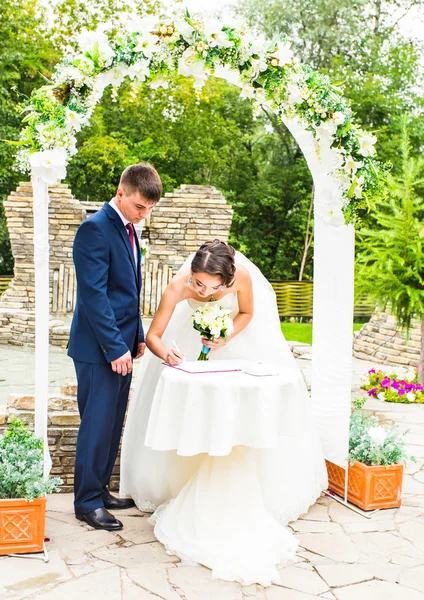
(63, 423)
(382, 340)
(182, 221)
(17, 303)
(185, 219)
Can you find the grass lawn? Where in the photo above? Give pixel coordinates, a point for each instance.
(302, 332)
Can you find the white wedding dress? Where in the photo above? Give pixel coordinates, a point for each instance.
(218, 496)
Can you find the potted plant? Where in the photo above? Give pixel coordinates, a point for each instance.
(375, 464)
(22, 491)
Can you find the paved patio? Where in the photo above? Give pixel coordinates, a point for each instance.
(342, 555)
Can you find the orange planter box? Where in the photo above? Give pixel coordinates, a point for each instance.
(22, 525)
(369, 488)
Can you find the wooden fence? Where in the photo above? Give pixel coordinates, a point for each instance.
(156, 277)
(64, 290)
(295, 299)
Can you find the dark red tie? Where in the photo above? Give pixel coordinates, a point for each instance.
(130, 228)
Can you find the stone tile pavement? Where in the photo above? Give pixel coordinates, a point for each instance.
(342, 555)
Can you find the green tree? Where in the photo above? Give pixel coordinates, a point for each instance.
(391, 260)
(26, 57)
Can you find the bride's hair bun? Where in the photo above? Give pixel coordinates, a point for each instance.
(216, 258)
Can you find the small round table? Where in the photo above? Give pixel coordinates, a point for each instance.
(219, 518)
(212, 412)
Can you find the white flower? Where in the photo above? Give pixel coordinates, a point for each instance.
(73, 120)
(229, 74)
(96, 42)
(377, 435)
(352, 166)
(325, 130)
(215, 35)
(381, 396)
(410, 376)
(49, 165)
(70, 73)
(139, 70)
(185, 30)
(149, 23)
(258, 65)
(358, 187)
(331, 214)
(330, 207)
(295, 95)
(159, 82)
(283, 54)
(190, 65)
(147, 44)
(367, 142)
(247, 91)
(249, 46)
(410, 396)
(339, 118)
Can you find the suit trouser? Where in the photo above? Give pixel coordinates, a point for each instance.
(102, 402)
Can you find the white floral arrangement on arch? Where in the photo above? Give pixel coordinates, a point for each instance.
(267, 72)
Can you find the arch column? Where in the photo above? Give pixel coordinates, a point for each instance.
(333, 304)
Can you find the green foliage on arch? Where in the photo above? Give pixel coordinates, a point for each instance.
(266, 72)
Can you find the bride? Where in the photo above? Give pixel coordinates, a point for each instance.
(203, 526)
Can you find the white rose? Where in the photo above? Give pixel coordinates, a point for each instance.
(410, 396)
(377, 435)
(381, 396)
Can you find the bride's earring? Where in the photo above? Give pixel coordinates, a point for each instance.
(222, 288)
(189, 281)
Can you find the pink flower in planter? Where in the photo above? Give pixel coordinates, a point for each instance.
(372, 392)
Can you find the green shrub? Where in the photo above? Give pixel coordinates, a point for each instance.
(22, 464)
(373, 444)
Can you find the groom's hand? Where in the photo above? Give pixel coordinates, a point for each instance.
(122, 365)
(141, 350)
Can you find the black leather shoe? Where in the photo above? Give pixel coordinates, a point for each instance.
(113, 503)
(100, 519)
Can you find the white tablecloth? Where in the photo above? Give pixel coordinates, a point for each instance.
(213, 412)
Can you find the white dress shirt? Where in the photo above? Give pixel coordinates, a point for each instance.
(125, 222)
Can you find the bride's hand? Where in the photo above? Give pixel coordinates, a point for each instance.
(174, 357)
(214, 344)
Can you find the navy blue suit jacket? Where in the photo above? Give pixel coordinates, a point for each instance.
(106, 322)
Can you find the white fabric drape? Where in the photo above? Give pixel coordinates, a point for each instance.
(46, 169)
(332, 305)
(41, 264)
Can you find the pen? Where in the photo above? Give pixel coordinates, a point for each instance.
(176, 346)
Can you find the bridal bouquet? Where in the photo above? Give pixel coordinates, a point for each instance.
(212, 322)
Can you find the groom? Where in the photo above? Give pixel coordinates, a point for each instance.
(106, 334)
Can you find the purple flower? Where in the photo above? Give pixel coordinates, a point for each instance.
(372, 392)
(385, 383)
(395, 385)
(401, 392)
(371, 371)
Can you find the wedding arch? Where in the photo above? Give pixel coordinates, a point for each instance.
(340, 156)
